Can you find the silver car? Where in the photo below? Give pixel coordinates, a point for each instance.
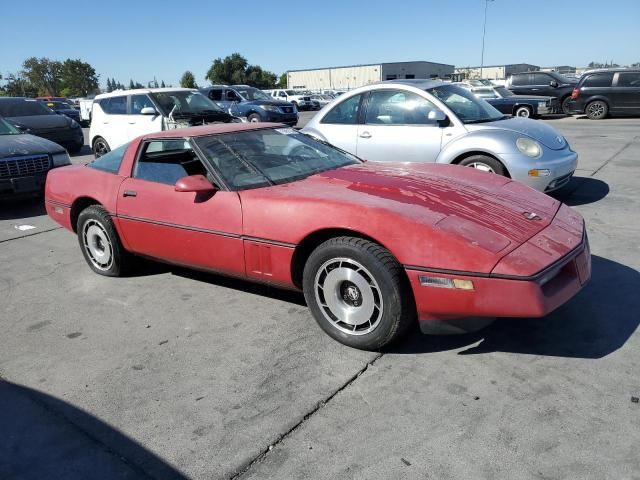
(434, 121)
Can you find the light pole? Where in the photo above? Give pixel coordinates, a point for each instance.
(484, 29)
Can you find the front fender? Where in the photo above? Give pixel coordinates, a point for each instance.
(495, 143)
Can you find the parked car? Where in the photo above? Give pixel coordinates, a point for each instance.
(25, 160)
(55, 99)
(63, 108)
(120, 116)
(434, 121)
(302, 102)
(509, 103)
(32, 116)
(251, 103)
(322, 100)
(607, 92)
(272, 205)
(549, 84)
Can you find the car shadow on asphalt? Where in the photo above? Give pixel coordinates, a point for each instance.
(582, 191)
(46, 437)
(85, 150)
(22, 207)
(595, 323)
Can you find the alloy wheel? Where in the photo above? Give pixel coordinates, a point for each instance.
(97, 244)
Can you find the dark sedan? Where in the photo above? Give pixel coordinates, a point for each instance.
(25, 160)
(517, 105)
(63, 108)
(32, 116)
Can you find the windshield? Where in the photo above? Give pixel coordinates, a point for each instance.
(485, 93)
(250, 93)
(7, 129)
(184, 103)
(291, 92)
(259, 158)
(467, 107)
(503, 91)
(23, 108)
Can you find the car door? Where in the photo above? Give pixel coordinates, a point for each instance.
(540, 85)
(626, 93)
(339, 126)
(186, 228)
(114, 122)
(139, 124)
(397, 127)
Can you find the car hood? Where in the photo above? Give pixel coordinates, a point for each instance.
(269, 102)
(25, 144)
(535, 129)
(41, 122)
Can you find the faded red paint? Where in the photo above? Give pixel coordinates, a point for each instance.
(430, 217)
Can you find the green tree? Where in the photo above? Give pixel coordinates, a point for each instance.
(18, 86)
(235, 69)
(79, 78)
(282, 81)
(162, 85)
(44, 74)
(188, 80)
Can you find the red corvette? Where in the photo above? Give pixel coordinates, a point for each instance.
(373, 246)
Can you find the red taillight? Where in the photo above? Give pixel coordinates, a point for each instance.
(575, 93)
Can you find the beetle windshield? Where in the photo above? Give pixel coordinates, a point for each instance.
(269, 156)
(467, 107)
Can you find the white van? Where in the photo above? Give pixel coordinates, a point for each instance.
(119, 117)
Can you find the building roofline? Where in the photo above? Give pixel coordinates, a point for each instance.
(501, 65)
(368, 65)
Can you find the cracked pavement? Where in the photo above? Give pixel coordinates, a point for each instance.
(179, 374)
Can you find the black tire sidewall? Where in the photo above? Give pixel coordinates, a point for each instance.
(391, 292)
(605, 106)
(254, 115)
(528, 109)
(497, 167)
(93, 146)
(564, 105)
(96, 212)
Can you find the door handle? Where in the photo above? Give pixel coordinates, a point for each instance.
(132, 123)
(365, 135)
(129, 193)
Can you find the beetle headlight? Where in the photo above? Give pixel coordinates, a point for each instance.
(60, 159)
(529, 147)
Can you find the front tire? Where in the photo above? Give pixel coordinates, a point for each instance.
(100, 147)
(523, 111)
(357, 292)
(597, 110)
(254, 118)
(484, 163)
(100, 243)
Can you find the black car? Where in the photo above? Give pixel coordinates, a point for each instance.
(25, 160)
(63, 108)
(607, 92)
(32, 116)
(254, 104)
(517, 105)
(549, 84)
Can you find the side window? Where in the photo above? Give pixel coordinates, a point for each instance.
(519, 79)
(138, 102)
(215, 94)
(598, 80)
(629, 79)
(232, 96)
(345, 112)
(540, 79)
(110, 162)
(114, 105)
(393, 107)
(167, 161)
(282, 94)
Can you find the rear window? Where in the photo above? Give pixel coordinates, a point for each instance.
(23, 108)
(598, 80)
(520, 79)
(111, 161)
(114, 105)
(629, 79)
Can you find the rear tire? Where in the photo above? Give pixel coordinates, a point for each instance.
(100, 243)
(357, 292)
(254, 118)
(564, 105)
(523, 111)
(484, 163)
(100, 147)
(597, 110)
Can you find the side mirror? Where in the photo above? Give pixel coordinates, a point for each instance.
(195, 183)
(148, 111)
(553, 84)
(437, 115)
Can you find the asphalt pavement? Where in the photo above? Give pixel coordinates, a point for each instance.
(178, 374)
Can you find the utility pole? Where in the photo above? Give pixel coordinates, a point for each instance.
(484, 30)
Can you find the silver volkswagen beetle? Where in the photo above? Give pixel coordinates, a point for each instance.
(434, 121)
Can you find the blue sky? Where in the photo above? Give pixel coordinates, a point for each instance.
(141, 39)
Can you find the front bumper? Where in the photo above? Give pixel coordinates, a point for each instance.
(288, 118)
(23, 185)
(501, 295)
(560, 163)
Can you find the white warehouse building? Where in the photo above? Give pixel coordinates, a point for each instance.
(352, 76)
